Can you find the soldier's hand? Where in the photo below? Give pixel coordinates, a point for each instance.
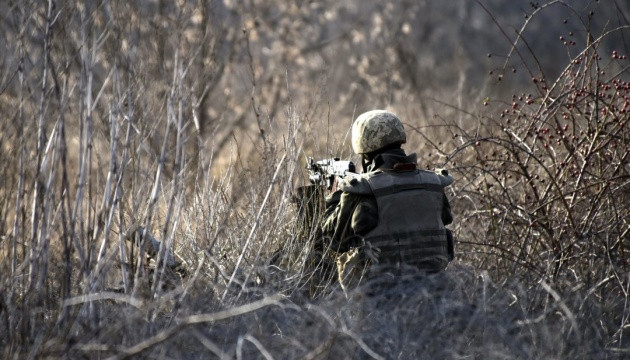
(335, 185)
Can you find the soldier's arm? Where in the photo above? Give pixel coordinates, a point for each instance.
(447, 215)
(365, 216)
(331, 214)
(337, 223)
(445, 179)
(348, 218)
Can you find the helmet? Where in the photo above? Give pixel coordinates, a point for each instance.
(376, 129)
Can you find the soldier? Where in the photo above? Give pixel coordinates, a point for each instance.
(393, 214)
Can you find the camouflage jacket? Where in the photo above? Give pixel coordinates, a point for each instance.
(348, 217)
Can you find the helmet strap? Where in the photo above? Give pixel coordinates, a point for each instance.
(365, 163)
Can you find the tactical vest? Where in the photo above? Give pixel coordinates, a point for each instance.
(410, 229)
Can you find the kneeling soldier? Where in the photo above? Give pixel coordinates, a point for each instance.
(392, 214)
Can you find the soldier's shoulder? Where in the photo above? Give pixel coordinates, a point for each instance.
(355, 184)
(437, 176)
(444, 177)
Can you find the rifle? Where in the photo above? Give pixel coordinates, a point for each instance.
(323, 175)
(325, 172)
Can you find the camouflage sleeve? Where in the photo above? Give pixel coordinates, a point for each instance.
(331, 213)
(337, 220)
(365, 216)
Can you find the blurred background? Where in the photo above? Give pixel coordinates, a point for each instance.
(243, 63)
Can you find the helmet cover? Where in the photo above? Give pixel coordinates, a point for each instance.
(376, 129)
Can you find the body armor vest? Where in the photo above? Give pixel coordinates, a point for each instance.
(410, 229)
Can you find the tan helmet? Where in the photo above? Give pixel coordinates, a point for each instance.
(376, 129)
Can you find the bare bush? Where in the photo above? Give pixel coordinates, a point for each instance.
(543, 183)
